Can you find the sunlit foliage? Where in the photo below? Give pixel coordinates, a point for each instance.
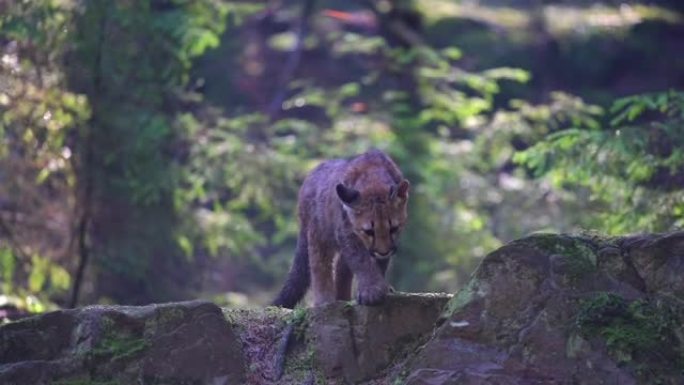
(39, 117)
(632, 164)
(152, 150)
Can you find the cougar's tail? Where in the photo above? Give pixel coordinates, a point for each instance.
(298, 279)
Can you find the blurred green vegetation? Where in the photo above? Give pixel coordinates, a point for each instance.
(152, 150)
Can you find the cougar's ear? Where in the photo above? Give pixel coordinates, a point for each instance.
(392, 192)
(347, 195)
(403, 189)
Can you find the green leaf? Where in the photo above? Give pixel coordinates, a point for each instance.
(635, 111)
(59, 277)
(507, 73)
(39, 273)
(43, 175)
(452, 53)
(185, 244)
(350, 89)
(7, 269)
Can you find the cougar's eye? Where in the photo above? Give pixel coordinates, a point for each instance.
(369, 232)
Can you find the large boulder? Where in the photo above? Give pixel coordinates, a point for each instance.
(177, 343)
(555, 309)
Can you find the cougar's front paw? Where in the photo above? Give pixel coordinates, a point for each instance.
(372, 294)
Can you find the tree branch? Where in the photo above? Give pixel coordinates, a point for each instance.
(86, 167)
(293, 60)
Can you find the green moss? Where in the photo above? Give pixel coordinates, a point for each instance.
(298, 314)
(299, 359)
(461, 299)
(170, 314)
(107, 324)
(579, 253)
(164, 316)
(117, 347)
(300, 366)
(640, 333)
(626, 327)
(233, 316)
(116, 344)
(401, 377)
(300, 319)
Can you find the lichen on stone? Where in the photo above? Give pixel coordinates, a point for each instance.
(640, 333)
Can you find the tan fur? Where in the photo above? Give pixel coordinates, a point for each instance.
(353, 209)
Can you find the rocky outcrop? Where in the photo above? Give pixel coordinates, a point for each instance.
(554, 309)
(546, 309)
(183, 343)
(337, 343)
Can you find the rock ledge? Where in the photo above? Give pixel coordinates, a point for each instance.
(543, 310)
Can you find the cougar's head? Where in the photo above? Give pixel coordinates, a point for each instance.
(377, 215)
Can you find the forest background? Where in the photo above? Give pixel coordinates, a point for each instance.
(152, 150)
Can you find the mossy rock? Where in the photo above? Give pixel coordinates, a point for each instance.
(543, 310)
(556, 308)
(178, 343)
(642, 334)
